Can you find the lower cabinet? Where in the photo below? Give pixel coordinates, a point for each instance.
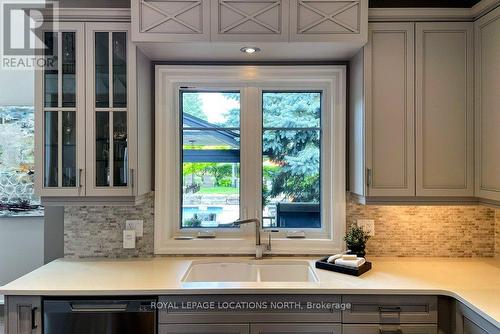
(389, 329)
(296, 328)
(469, 322)
(23, 315)
(204, 329)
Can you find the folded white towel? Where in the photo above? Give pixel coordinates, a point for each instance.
(332, 258)
(358, 262)
(349, 257)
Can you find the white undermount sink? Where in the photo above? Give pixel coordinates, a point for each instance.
(249, 271)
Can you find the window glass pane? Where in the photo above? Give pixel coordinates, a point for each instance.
(101, 69)
(50, 70)
(211, 109)
(68, 70)
(211, 159)
(51, 153)
(291, 160)
(291, 109)
(69, 149)
(120, 158)
(102, 149)
(119, 69)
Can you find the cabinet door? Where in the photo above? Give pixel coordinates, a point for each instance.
(389, 89)
(23, 315)
(60, 113)
(203, 329)
(296, 328)
(170, 20)
(110, 109)
(444, 109)
(328, 21)
(249, 21)
(469, 322)
(388, 329)
(487, 100)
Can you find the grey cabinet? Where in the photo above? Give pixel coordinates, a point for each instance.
(390, 309)
(444, 109)
(204, 329)
(23, 315)
(296, 328)
(388, 329)
(487, 100)
(469, 322)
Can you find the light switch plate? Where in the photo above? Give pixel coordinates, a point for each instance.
(128, 239)
(368, 225)
(135, 225)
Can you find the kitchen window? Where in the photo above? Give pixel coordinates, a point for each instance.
(246, 141)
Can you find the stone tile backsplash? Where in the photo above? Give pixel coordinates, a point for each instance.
(449, 231)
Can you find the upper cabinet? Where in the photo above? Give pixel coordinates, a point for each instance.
(89, 135)
(60, 113)
(487, 102)
(412, 116)
(328, 20)
(444, 109)
(250, 21)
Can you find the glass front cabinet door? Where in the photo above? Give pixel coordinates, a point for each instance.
(60, 111)
(109, 109)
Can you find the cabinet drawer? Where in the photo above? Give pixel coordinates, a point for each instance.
(296, 328)
(249, 308)
(389, 329)
(203, 329)
(390, 309)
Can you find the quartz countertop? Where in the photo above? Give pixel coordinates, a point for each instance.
(474, 282)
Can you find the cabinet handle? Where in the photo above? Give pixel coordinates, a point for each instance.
(132, 178)
(391, 309)
(33, 318)
(79, 179)
(368, 177)
(397, 331)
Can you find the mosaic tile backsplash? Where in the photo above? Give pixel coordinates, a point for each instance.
(449, 231)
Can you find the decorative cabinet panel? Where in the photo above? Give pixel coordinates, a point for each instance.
(254, 20)
(487, 100)
(444, 109)
(170, 21)
(328, 20)
(389, 68)
(23, 315)
(60, 113)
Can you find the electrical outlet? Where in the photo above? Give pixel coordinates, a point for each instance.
(368, 225)
(135, 225)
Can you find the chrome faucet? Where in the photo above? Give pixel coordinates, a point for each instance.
(259, 248)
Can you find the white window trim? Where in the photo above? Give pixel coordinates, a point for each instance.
(167, 169)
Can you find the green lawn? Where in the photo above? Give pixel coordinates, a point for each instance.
(219, 191)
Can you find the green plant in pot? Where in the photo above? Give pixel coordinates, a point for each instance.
(356, 239)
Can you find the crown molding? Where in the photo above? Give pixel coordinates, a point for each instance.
(90, 15)
(432, 14)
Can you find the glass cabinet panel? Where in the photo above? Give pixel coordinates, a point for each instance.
(51, 75)
(59, 110)
(68, 69)
(102, 148)
(51, 149)
(101, 69)
(120, 158)
(119, 70)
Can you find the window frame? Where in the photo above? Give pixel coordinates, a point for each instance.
(254, 80)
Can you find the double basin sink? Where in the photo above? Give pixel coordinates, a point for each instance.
(250, 271)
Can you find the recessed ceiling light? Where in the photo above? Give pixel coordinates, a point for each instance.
(250, 49)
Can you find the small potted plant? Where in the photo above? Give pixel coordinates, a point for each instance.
(356, 239)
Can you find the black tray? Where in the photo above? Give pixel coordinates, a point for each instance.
(323, 264)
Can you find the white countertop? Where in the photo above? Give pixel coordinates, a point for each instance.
(475, 282)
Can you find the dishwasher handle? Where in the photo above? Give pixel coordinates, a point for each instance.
(98, 307)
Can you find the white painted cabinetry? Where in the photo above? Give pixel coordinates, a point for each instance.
(412, 112)
(444, 109)
(487, 105)
(91, 141)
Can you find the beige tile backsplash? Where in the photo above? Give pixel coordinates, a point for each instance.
(450, 231)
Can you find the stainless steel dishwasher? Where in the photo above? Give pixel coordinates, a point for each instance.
(99, 316)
